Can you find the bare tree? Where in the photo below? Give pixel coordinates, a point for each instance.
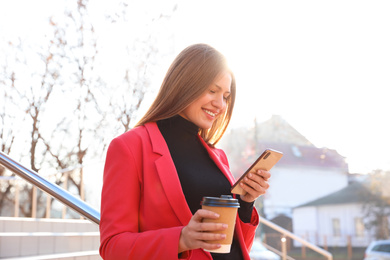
(7, 131)
(376, 207)
(66, 108)
(36, 96)
(82, 128)
(142, 55)
(29, 86)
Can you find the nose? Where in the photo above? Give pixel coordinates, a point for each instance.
(219, 102)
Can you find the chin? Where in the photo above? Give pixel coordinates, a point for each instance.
(205, 126)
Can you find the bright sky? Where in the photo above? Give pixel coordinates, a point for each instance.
(324, 66)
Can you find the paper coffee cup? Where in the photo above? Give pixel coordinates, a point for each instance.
(226, 206)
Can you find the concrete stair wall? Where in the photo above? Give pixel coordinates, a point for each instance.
(27, 238)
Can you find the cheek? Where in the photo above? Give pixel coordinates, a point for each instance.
(192, 111)
(225, 104)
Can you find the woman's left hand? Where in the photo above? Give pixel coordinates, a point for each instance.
(255, 184)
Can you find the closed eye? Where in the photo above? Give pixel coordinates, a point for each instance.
(212, 91)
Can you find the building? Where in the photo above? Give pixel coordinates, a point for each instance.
(304, 173)
(336, 219)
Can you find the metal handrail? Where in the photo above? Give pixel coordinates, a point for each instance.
(87, 211)
(52, 189)
(287, 233)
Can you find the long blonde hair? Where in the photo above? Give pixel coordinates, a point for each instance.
(190, 74)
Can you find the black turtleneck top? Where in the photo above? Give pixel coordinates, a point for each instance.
(199, 175)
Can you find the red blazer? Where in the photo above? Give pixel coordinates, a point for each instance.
(143, 208)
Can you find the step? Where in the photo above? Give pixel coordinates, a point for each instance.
(10, 224)
(22, 244)
(83, 255)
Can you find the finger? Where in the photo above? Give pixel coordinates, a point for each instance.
(209, 246)
(254, 177)
(254, 189)
(210, 226)
(209, 236)
(204, 220)
(203, 213)
(264, 174)
(191, 239)
(256, 182)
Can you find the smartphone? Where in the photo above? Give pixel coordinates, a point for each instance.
(265, 162)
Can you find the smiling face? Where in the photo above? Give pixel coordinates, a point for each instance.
(211, 104)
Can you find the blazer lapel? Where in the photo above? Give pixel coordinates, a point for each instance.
(168, 176)
(216, 158)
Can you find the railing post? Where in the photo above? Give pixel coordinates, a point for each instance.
(82, 192)
(325, 243)
(16, 210)
(349, 244)
(303, 249)
(48, 206)
(34, 202)
(284, 248)
(65, 184)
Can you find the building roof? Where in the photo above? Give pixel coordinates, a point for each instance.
(353, 193)
(277, 134)
(244, 145)
(295, 155)
(278, 130)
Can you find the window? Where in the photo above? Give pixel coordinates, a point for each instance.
(383, 248)
(336, 227)
(359, 227)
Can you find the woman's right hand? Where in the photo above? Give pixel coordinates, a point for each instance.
(195, 234)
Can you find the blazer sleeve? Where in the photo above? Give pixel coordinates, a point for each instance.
(249, 229)
(120, 237)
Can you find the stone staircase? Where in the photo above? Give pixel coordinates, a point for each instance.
(27, 238)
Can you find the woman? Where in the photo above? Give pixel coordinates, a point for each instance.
(157, 173)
